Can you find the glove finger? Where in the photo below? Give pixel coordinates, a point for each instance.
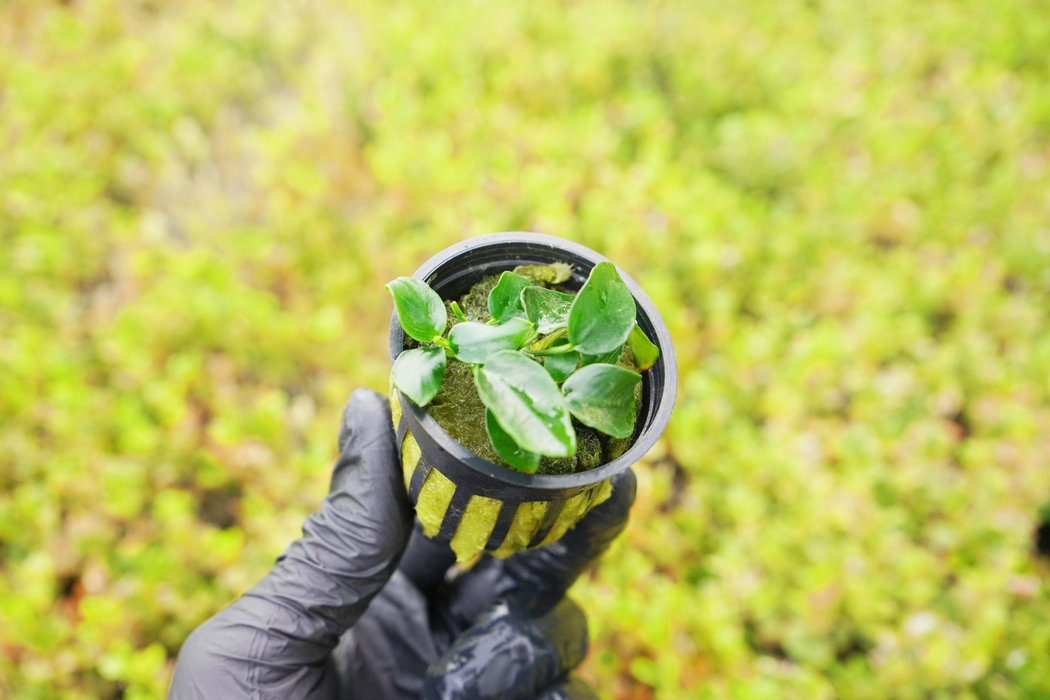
(572, 688)
(425, 561)
(544, 575)
(386, 654)
(275, 640)
(535, 580)
(506, 656)
(352, 545)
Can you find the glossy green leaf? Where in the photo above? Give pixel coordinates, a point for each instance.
(474, 342)
(602, 313)
(527, 403)
(419, 308)
(609, 358)
(505, 297)
(548, 309)
(508, 450)
(418, 373)
(602, 396)
(561, 367)
(645, 353)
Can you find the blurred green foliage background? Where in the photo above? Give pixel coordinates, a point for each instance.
(842, 209)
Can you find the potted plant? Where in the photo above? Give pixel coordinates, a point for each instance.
(530, 409)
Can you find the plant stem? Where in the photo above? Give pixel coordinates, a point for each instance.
(443, 343)
(550, 339)
(459, 312)
(553, 351)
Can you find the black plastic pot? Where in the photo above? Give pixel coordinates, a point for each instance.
(451, 273)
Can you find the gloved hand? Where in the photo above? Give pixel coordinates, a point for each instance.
(503, 630)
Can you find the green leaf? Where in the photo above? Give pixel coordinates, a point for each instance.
(508, 450)
(419, 372)
(603, 312)
(505, 297)
(602, 397)
(527, 403)
(645, 353)
(473, 342)
(609, 358)
(548, 309)
(555, 273)
(419, 308)
(561, 367)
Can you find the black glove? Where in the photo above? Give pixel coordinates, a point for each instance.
(503, 630)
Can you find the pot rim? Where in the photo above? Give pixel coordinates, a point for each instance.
(548, 482)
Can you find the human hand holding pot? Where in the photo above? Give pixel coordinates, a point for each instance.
(337, 617)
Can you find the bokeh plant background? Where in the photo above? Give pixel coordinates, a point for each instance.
(841, 208)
